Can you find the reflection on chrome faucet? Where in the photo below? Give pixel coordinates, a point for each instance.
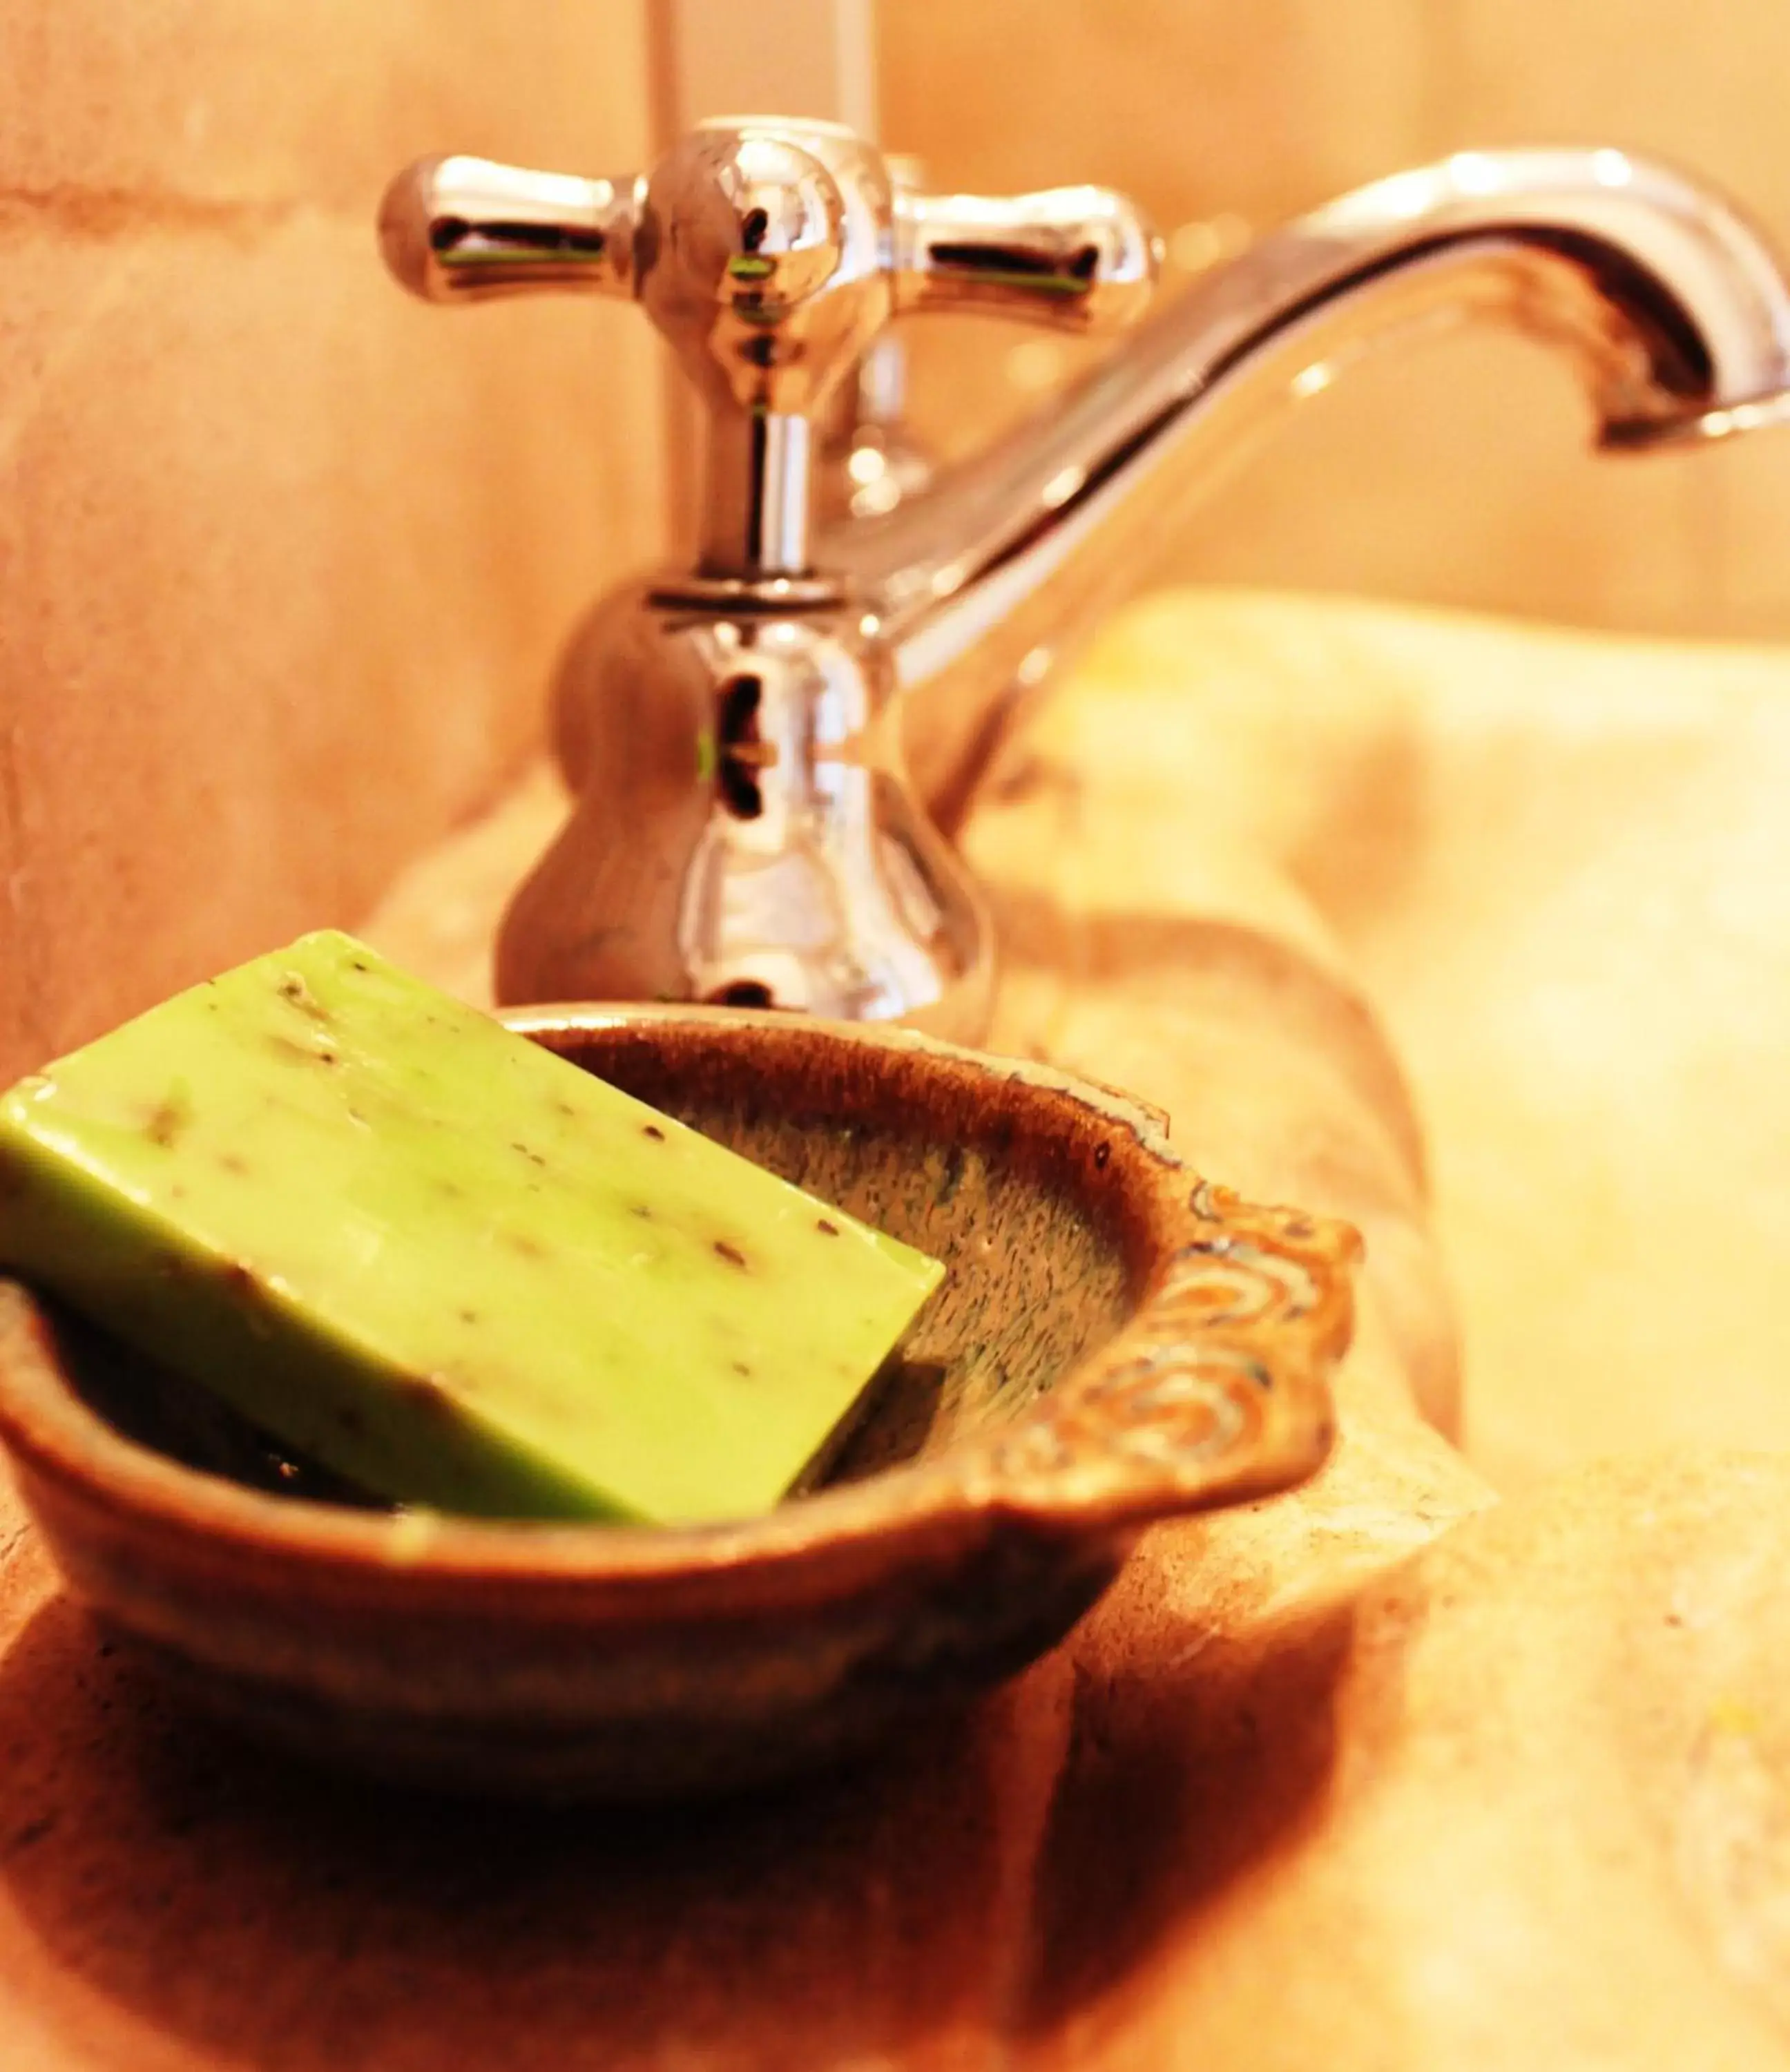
(738, 736)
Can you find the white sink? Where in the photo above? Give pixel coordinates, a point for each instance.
(1557, 866)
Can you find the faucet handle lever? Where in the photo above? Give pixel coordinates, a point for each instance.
(460, 229)
(770, 254)
(1081, 258)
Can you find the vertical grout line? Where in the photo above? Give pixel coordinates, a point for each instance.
(856, 35)
(661, 46)
(679, 428)
(804, 58)
(1442, 64)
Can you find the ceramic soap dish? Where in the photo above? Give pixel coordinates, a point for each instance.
(1116, 1341)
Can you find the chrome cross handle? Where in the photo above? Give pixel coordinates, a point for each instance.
(771, 254)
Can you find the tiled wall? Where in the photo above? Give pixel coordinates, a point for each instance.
(278, 597)
(284, 558)
(1456, 471)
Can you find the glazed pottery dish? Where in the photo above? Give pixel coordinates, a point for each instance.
(1116, 1341)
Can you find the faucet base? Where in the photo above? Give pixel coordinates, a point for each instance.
(743, 832)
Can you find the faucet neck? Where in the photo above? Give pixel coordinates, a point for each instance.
(1671, 305)
(758, 477)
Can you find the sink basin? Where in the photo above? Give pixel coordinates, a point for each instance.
(1557, 865)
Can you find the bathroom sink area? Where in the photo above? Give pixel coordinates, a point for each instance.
(578, 572)
(1470, 1749)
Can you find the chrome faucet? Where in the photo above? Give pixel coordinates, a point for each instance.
(738, 736)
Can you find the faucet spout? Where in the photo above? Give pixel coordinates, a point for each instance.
(1672, 305)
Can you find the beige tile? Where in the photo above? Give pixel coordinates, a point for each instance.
(1192, 106)
(286, 558)
(160, 102)
(1704, 85)
(1742, 493)
(1457, 475)
(1460, 472)
(289, 560)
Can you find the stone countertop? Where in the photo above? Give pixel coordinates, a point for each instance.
(1460, 929)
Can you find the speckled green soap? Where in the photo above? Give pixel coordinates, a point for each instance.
(443, 1261)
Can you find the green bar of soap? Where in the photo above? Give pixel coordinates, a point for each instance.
(443, 1261)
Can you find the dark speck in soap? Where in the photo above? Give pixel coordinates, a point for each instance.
(293, 988)
(166, 1123)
